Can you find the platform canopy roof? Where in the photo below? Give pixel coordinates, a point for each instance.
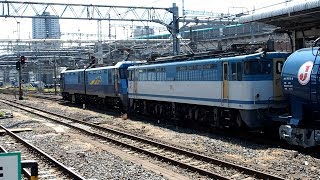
(301, 16)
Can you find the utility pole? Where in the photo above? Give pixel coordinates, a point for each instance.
(183, 12)
(109, 27)
(55, 75)
(175, 29)
(92, 62)
(99, 30)
(20, 82)
(20, 64)
(18, 30)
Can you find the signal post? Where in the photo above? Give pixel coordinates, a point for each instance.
(19, 65)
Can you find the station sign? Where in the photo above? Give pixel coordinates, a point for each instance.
(10, 166)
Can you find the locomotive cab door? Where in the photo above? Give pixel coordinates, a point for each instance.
(135, 82)
(277, 68)
(62, 85)
(115, 72)
(225, 82)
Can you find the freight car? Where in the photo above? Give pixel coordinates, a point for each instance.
(301, 86)
(238, 91)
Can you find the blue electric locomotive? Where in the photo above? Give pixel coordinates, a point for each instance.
(102, 85)
(229, 91)
(301, 84)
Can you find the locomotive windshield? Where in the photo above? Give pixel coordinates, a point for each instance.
(124, 73)
(257, 67)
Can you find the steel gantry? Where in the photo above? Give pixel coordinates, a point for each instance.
(168, 17)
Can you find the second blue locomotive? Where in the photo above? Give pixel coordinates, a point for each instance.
(104, 86)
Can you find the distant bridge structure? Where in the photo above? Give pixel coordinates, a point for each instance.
(165, 16)
(169, 17)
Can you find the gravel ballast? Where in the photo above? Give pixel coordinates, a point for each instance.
(292, 163)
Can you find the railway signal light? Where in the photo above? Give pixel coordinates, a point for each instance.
(93, 60)
(23, 60)
(18, 65)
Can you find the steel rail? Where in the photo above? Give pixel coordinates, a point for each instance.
(62, 167)
(248, 171)
(24, 171)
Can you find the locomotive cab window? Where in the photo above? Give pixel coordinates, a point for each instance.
(110, 77)
(257, 67)
(279, 65)
(236, 71)
(130, 75)
(124, 74)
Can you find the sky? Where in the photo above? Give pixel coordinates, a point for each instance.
(9, 28)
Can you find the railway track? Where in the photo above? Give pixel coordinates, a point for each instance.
(47, 97)
(204, 165)
(269, 138)
(49, 168)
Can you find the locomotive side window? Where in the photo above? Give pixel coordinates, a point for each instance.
(158, 70)
(182, 73)
(160, 74)
(110, 78)
(140, 74)
(239, 71)
(143, 74)
(234, 71)
(279, 65)
(86, 78)
(151, 74)
(81, 77)
(136, 75)
(257, 67)
(130, 76)
(209, 72)
(225, 72)
(195, 72)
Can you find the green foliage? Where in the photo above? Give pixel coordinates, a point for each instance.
(50, 90)
(30, 88)
(2, 114)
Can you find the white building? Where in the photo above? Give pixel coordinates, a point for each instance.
(1, 76)
(13, 75)
(46, 26)
(143, 31)
(32, 77)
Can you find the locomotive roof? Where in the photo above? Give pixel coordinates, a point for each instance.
(118, 65)
(315, 49)
(91, 69)
(268, 55)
